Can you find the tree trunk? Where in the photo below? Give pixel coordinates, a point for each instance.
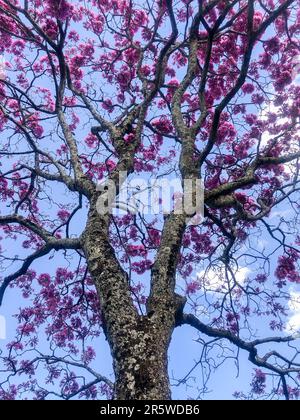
(139, 344)
(141, 363)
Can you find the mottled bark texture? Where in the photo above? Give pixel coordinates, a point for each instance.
(139, 344)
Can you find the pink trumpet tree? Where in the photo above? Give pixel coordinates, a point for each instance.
(196, 90)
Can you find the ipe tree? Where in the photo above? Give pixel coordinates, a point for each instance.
(155, 89)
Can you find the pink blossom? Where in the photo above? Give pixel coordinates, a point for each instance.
(129, 138)
(61, 9)
(136, 250)
(44, 280)
(63, 215)
(248, 88)
(192, 287)
(259, 382)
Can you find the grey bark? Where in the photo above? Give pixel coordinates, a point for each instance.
(139, 344)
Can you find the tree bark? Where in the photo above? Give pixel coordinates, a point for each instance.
(140, 362)
(139, 344)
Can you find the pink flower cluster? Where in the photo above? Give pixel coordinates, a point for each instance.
(60, 9)
(286, 268)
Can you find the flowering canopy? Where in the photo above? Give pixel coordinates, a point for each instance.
(200, 89)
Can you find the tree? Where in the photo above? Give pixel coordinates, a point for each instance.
(197, 90)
